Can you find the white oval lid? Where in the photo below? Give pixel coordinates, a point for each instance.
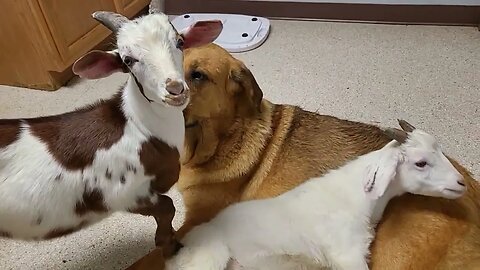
(240, 32)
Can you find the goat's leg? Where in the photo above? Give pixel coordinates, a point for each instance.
(163, 211)
(165, 234)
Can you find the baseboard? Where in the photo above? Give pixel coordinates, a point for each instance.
(397, 14)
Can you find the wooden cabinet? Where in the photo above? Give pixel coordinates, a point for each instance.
(41, 39)
(130, 7)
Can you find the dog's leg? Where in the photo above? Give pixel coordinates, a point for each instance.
(163, 211)
(154, 260)
(200, 210)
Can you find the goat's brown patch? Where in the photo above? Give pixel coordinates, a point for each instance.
(5, 234)
(92, 201)
(9, 131)
(73, 138)
(58, 232)
(162, 162)
(163, 211)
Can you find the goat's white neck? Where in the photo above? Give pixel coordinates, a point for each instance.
(378, 206)
(347, 183)
(153, 119)
(375, 207)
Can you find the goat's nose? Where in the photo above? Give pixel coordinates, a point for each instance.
(174, 87)
(461, 182)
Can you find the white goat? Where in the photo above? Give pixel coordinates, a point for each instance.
(327, 220)
(64, 172)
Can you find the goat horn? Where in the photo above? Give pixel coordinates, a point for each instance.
(396, 134)
(156, 6)
(111, 20)
(405, 125)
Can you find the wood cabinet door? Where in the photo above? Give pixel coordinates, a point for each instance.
(130, 8)
(72, 27)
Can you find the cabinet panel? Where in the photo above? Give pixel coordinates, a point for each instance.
(130, 8)
(21, 46)
(72, 27)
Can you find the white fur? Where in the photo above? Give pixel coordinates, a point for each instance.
(28, 189)
(152, 41)
(327, 221)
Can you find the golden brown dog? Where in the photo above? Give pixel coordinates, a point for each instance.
(242, 147)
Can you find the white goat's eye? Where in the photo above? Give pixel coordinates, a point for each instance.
(421, 164)
(129, 61)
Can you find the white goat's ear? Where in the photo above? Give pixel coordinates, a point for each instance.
(98, 64)
(380, 173)
(201, 33)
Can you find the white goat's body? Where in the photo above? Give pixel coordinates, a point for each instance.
(326, 220)
(39, 195)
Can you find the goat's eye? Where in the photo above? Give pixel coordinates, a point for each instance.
(129, 61)
(180, 43)
(421, 164)
(197, 75)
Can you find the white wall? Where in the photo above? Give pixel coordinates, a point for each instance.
(391, 2)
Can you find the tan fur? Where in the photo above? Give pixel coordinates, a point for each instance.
(235, 153)
(154, 260)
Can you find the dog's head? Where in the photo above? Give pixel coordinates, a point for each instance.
(222, 90)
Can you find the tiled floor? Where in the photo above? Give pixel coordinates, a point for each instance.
(425, 74)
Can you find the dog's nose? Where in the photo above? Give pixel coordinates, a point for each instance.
(174, 87)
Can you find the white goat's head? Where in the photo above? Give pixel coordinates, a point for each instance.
(415, 161)
(151, 50)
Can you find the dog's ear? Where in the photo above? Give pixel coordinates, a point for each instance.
(246, 89)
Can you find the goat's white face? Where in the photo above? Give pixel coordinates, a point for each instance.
(416, 164)
(152, 50)
(426, 171)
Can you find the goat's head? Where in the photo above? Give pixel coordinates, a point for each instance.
(416, 161)
(151, 50)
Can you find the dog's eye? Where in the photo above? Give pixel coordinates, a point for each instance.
(421, 164)
(129, 61)
(197, 75)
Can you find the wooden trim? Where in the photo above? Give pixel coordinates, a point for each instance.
(398, 14)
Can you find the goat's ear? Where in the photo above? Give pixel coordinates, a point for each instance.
(201, 33)
(98, 64)
(381, 172)
(246, 89)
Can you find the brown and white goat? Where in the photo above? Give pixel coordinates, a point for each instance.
(61, 173)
